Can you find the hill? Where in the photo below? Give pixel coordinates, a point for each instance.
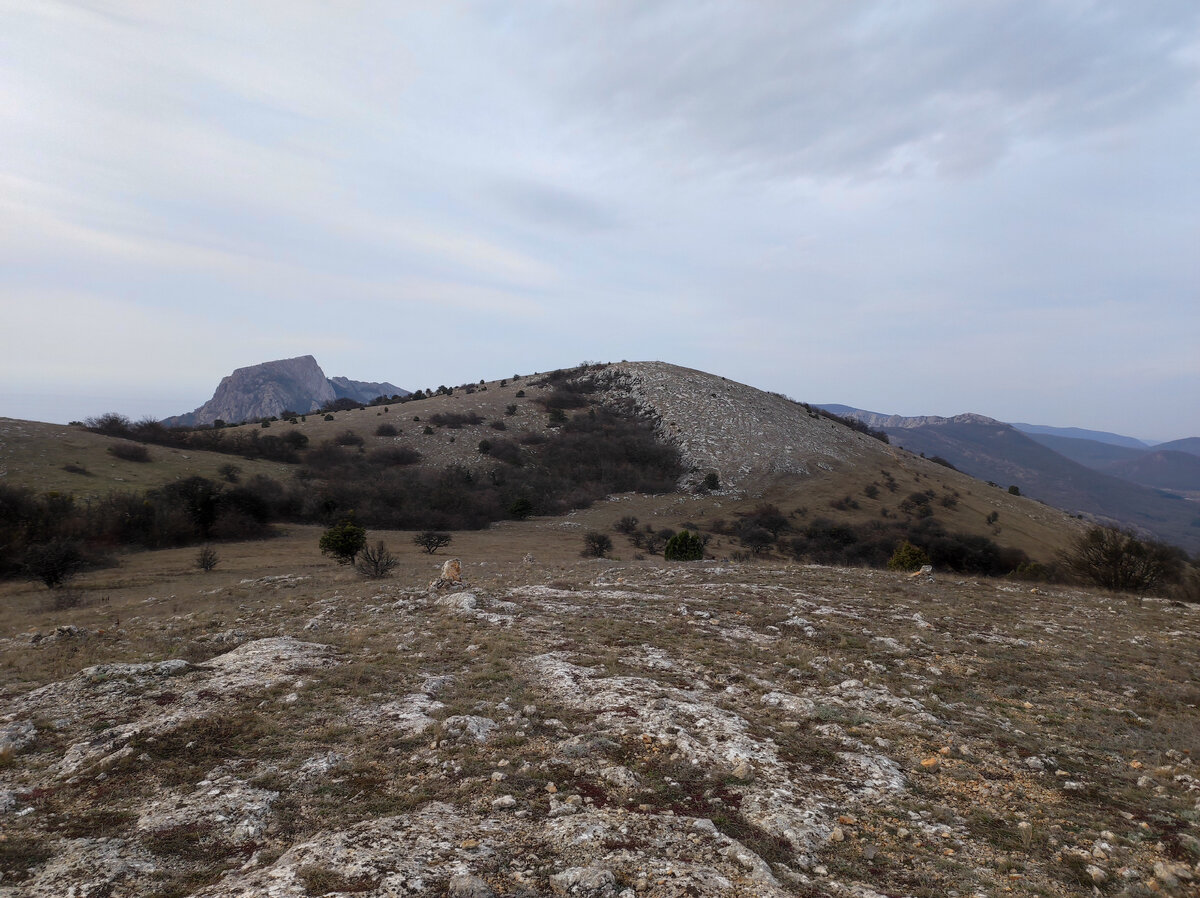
(1079, 433)
(1089, 453)
(1161, 469)
(486, 452)
(1190, 445)
(553, 726)
(264, 390)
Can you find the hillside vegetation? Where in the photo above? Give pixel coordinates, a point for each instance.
(479, 453)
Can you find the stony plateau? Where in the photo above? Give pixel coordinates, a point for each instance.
(604, 729)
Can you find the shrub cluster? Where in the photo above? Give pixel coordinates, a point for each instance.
(455, 420)
(187, 511)
(593, 454)
(244, 442)
(875, 543)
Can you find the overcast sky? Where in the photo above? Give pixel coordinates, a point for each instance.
(911, 207)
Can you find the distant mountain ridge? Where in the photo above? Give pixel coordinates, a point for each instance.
(1121, 484)
(1078, 433)
(266, 389)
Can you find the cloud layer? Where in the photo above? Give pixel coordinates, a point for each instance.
(917, 208)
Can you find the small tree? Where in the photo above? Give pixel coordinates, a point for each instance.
(206, 558)
(596, 544)
(684, 546)
(521, 508)
(712, 481)
(1118, 560)
(54, 562)
(907, 557)
(757, 539)
(386, 430)
(1014, 490)
(343, 541)
(431, 540)
(376, 562)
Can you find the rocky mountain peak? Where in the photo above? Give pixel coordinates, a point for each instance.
(266, 389)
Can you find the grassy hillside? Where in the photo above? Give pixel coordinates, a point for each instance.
(466, 455)
(57, 458)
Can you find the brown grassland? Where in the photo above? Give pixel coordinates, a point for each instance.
(987, 704)
(626, 727)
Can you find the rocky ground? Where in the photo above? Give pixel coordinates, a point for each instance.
(605, 729)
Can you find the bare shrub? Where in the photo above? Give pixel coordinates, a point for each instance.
(206, 558)
(54, 562)
(1118, 560)
(392, 456)
(596, 544)
(455, 420)
(376, 562)
(626, 525)
(129, 452)
(432, 540)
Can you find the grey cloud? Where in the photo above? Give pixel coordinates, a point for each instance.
(851, 88)
(555, 207)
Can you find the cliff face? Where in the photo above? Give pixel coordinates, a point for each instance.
(259, 391)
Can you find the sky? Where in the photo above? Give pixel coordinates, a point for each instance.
(911, 207)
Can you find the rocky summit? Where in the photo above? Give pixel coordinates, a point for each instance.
(260, 391)
(630, 729)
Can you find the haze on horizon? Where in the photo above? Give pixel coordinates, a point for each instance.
(923, 208)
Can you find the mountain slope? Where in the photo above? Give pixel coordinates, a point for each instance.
(1190, 445)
